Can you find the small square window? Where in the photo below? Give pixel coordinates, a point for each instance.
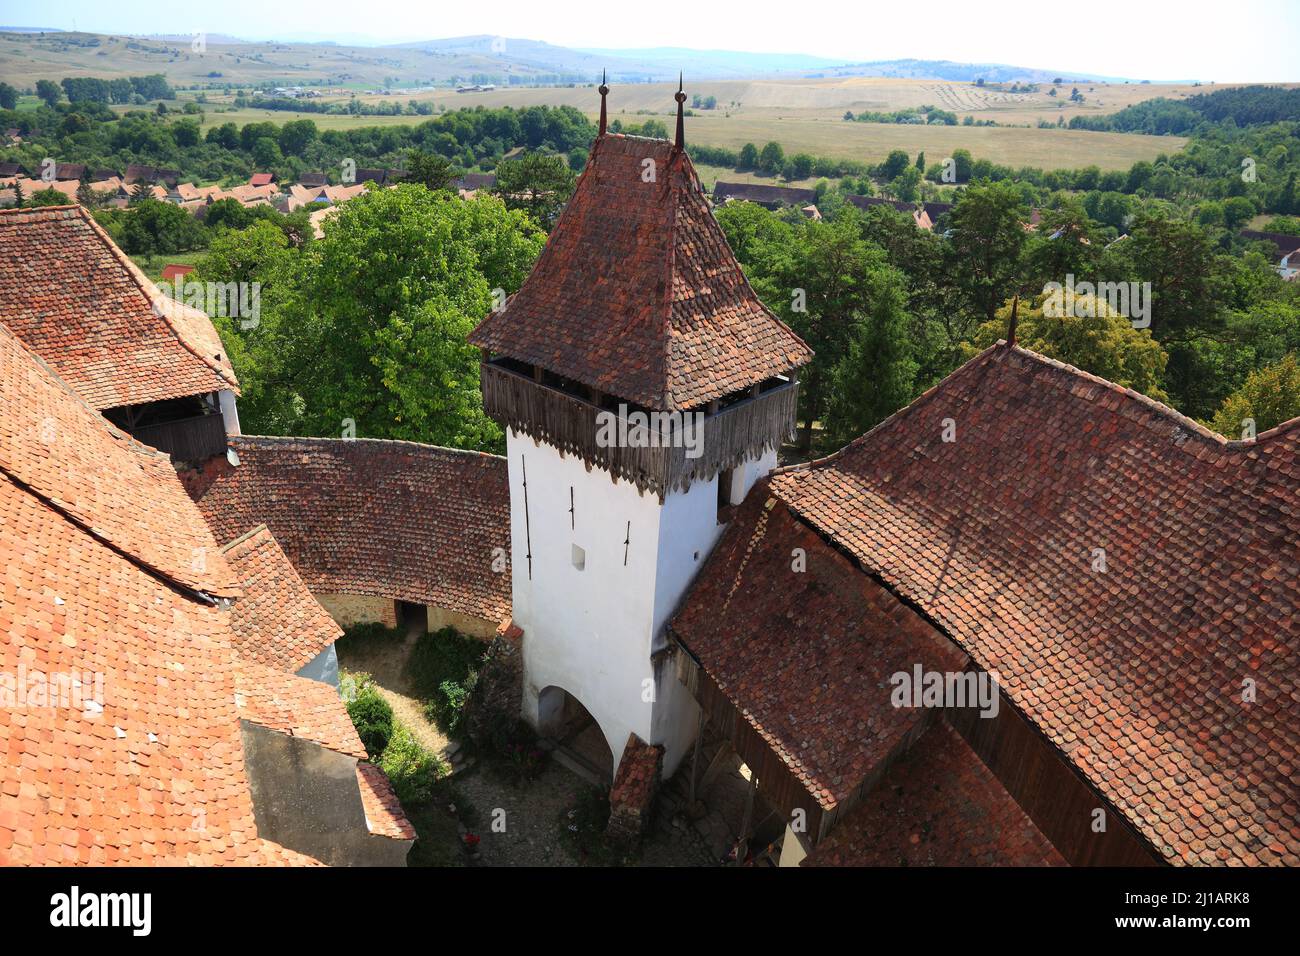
(579, 558)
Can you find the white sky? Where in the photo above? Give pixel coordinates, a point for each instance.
(1239, 40)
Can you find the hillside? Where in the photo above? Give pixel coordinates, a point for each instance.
(29, 55)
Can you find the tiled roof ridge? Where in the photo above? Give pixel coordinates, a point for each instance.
(999, 350)
(390, 442)
(141, 281)
(151, 292)
(246, 536)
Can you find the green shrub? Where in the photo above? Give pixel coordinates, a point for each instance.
(443, 668)
(372, 717)
(411, 768)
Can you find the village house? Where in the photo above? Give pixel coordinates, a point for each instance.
(1284, 251)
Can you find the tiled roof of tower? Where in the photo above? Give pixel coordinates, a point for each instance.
(342, 511)
(1137, 670)
(277, 622)
(144, 763)
(637, 293)
(937, 805)
(80, 304)
(805, 653)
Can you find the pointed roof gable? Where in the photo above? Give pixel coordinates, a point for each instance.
(637, 292)
(79, 303)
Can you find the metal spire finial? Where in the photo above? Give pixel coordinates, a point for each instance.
(680, 97)
(604, 91)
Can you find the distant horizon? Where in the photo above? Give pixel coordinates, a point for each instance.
(1115, 39)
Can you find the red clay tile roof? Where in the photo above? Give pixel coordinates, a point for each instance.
(937, 805)
(296, 706)
(384, 814)
(151, 770)
(637, 292)
(806, 656)
(120, 491)
(76, 301)
(388, 518)
(1136, 673)
(277, 622)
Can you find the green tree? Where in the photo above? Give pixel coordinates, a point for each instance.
(429, 170)
(8, 97)
(877, 375)
(370, 322)
(1268, 397)
(296, 136)
(819, 278)
(748, 158)
(153, 227)
(894, 163)
(771, 159)
(537, 183)
(1091, 338)
(987, 238)
(49, 91)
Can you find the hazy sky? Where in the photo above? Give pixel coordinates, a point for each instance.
(1236, 41)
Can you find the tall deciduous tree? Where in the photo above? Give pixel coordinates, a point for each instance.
(369, 324)
(987, 238)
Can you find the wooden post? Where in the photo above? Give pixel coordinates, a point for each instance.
(742, 847)
(695, 755)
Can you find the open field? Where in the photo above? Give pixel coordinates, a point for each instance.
(831, 136)
(830, 98)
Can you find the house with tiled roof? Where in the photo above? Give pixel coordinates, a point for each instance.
(1283, 249)
(644, 389)
(152, 365)
(136, 731)
(765, 195)
(1127, 579)
(151, 175)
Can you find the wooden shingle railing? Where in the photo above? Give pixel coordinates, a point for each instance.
(658, 463)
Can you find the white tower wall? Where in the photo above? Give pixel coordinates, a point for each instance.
(594, 631)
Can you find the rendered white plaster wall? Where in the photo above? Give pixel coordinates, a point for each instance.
(594, 631)
(587, 631)
(324, 667)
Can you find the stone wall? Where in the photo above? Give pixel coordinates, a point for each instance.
(349, 609)
(440, 617)
(631, 799)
